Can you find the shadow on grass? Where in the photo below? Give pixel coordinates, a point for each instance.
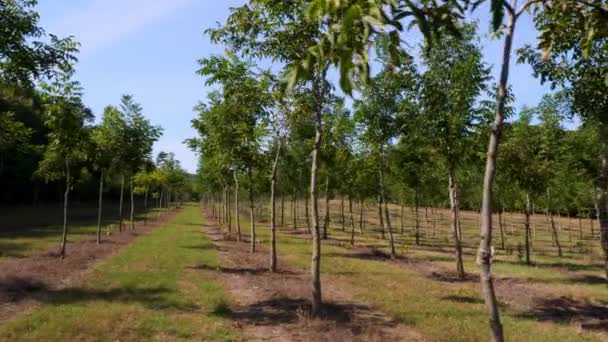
(463, 299)
(284, 310)
(156, 298)
(566, 310)
(573, 267)
(240, 270)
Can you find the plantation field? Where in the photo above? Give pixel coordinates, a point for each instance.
(188, 279)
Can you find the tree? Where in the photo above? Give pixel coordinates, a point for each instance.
(105, 141)
(378, 111)
(575, 46)
(66, 117)
(140, 135)
(26, 55)
(248, 97)
(454, 79)
(278, 30)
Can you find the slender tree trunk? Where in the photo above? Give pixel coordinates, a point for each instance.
(228, 212)
(402, 219)
(237, 215)
(454, 209)
(361, 208)
(307, 213)
(122, 190)
(146, 207)
(527, 232)
(252, 209)
(603, 194)
(132, 215)
(315, 268)
(485, 253)
(282, 210)
(64, 235)
(352, 220)
(553, 227)
(380, 216)
(426, 221)
(327, 218)
(273, 226)
(500, 225)
(342, 213)
(417, 220)
(99, 207)
(383, 200)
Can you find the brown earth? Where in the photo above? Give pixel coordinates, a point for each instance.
(26, 281)
(275, 306)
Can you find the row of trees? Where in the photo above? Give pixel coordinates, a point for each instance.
(417, 132)
(48, 136)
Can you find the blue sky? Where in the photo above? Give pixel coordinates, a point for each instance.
(150, 48)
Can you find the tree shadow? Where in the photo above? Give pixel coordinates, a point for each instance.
(463, 299)
(452, 277)
(567, 310)
(156, 298)
(284, 310)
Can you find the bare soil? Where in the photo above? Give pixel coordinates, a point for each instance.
(275, 306)
(26, 281)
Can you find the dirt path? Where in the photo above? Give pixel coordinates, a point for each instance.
(275, 307)
(26, 281)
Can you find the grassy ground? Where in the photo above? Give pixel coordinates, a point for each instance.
(148, 291)
(438, 310)
(25, 231)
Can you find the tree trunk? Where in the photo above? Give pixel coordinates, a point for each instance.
(527, 232)
(342, 213)
(352, 220)
(383, 200)
(132, 215)
(553, 227)
(500, 225)
(146, 207)
(315, 268)
(380, 216)
(416, 218)
(64, 235)
(603, 194)
(485, 254)
(361, 208)
(122, 190)
(294, 203)
(282, 210)
(454, 209)
(327, 218)
(252, 209)
(273, 226)
(229, 213)
(99, 208)
(402, 219)
(237, 215)
(307, 213)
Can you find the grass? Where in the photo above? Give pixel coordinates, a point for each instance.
(439, 311)
(149, 291)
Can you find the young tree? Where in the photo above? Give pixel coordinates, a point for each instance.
(454, 79)
(66, 118)
(140, 136)
(378, 110)
(105, 141)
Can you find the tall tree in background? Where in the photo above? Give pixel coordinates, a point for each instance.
(278, 30)
(452, 83)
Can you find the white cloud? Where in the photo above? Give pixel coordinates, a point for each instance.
(99, 23)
